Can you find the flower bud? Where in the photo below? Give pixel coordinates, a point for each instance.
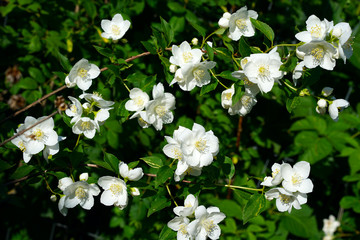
(84, 177)
(327, 91)
(194, 41)
(53, 198)
(173, 68)
(322, 103)
(337, 32)
(134, 191)
(226, 15)
(223, 22)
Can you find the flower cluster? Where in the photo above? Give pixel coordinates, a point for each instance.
(193, 149)
(82, 74)
(334, 104)
(192, 71)
(88, 117)
(37, 138)
(295, 185)
(204, 225)
(82, 193)
(239, 23)
(324, 43)
(243, 106)
(154, 112)
(330, 226)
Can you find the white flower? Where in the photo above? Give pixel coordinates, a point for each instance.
(240, 24)
(285, 200)
(195, 41)
(327, 91)
(131, 174)
(80, 193)
(115, 192)
(138, 100)
(75, 110)
(82, 74)
(321, 106)
(224, 20)
(172, 68)
(134, 191)
(183, 55)
(179, 224)
(298, 71)
(97, 100)
(116, 28)
(84, 177)
(199, 147)
(244, 105)
(53, 149)
(342, 33)
(192, 75)
(335, 106)
(318, 53)
(35, 139)
(226, 97)
(276, 177)
(330, 226)
(188, 210)
(264, 69)
(183, 169)
(316, 30)
(158, 110)
(250, 87)
(85, 126)
(296, 178)
(206, 223)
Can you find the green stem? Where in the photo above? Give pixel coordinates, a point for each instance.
(284, 45)
(238, 64)
(355, 135)
(77, 141)
(171, 196)
(245, 188)
(289, 86)
(204, 40)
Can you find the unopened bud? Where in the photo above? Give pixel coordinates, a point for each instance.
(327, 91)
(134, 191)
(223, 22)
(322, 103)
(195, 41)
(173, 68)
(336, 32)
(53, 198)
(84, 177)
(226, 15)
(304, 92)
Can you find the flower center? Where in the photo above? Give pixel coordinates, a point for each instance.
(82, 72)
(160, 111)
(296, 179)
(241, 24)
(200, 145)
(142, 120)
(318, 54)
(115, 30)
(85, 125)
(37, 134)
(285, 199)
(199, 74)
(187, 56)
(247, 82)
(177, 153)
(208, 225)
(22, 146)
(264, 71)
(139, 101)
(182, 229)
(275, 172)
(246, 101)
(73, 108)
(115, 188)
(80, 193)
(315, 31)
(228, 96)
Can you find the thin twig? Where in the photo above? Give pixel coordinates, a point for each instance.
(238, 137)
(27, 129)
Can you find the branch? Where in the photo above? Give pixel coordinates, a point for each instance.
(21, 132)
(62, 88)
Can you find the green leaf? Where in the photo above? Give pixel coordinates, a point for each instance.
(22, 171)
(220, 31)
(244, 48)
(104, 51)
(27, 83)
(160, 38)
(310, 123)
(90, 8)
(168, 32)
(102, 164)
(4, 165)
(229, 46)
(166, 233)
(112, 161)
(238, 93)
(133, 164)
(158, 204)
(290, 63)
(149, 46)
(264, 28)
(209, 51)
(201, 30)
(36, 74)
(64, 62)
(164, 173)
(292, 103)
(300, 226)
(256, 50)
(122, 112)
(227, 75)
(253, 207)
(153, 161)
(210, 87)
(354, 161)
(176, 7)
(229, 167)
(349, 202)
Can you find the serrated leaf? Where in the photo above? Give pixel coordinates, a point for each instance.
(210, 87)
(112, 161)
(253, 207)
(168, 32)
(104, 51)
(158, 204)
(153, 161)
(264, 28)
